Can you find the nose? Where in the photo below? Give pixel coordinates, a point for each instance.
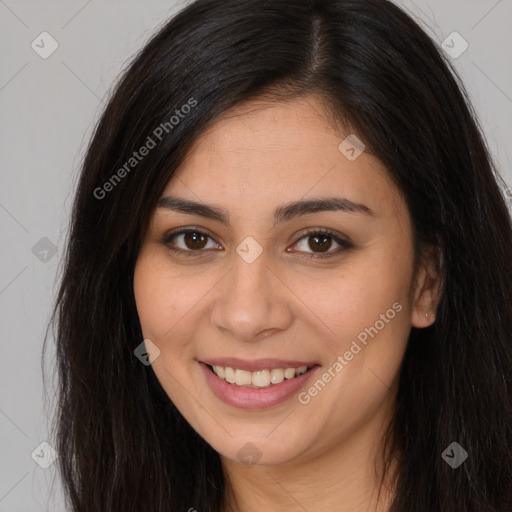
(253, 302)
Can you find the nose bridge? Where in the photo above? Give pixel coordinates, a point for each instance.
(251, 300)
(247, 282)
(250, 270)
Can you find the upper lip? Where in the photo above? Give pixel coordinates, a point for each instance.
(257, 364)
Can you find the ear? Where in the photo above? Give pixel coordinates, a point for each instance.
(427, 288)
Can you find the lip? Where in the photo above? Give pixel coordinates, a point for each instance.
(258, 364)
(254, 398)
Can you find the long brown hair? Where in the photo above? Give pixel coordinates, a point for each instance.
(122, 444)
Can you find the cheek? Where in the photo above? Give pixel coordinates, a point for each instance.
(352, 298)
(155, 297)
(369, 326)
(365, 307)
(168, 303)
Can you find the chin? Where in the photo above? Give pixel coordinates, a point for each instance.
(258, 451)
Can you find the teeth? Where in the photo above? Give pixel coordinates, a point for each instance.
(229, 375)
(261, 378)
(301, 369)
(258, 379)
(276, 375)
(289, 373)
(242, 378)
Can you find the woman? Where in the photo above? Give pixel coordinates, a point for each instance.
(288, 277)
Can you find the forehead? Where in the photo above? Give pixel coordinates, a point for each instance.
(259, 129)
(268, 153)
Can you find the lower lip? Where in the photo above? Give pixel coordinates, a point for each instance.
(254, 398)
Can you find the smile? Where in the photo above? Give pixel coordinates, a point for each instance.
(267, 387)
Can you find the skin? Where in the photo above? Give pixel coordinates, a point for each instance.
(254, 158)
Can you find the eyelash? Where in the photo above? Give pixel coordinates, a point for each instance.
(344, 244)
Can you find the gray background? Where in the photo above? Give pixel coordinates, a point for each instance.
(48, 109)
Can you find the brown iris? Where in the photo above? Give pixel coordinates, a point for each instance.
(324, 244)
(195, 240)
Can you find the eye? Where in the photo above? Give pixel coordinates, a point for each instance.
(320, 241)
(192, 240)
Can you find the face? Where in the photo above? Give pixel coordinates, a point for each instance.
(259, 282)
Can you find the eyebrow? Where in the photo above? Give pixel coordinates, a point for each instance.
(282, 214)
